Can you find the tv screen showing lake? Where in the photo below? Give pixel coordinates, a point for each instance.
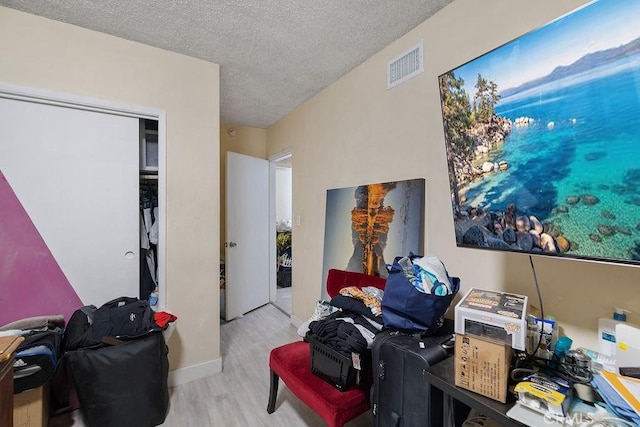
(543, 139)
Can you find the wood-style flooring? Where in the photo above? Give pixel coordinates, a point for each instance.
(283, 300)
(238, 396)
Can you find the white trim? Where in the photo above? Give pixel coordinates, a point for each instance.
(273, 159)
(280, 155)
(162, 207)
(273, 287)
(296, 321)
(97, 105)
(195, 372)
(72, 101)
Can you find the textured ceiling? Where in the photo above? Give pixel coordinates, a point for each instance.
(273, 54)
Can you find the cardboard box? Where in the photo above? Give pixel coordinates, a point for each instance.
(493, 315)
(31, 407)
(482, 366)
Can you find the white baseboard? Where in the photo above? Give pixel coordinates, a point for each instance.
(296, 321)
(195, 372)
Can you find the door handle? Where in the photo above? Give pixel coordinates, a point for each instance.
(232, 244)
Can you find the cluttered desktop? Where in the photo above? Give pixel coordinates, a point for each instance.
(506, 352)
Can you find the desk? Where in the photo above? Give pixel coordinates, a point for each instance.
(442, 376)
(8, 346)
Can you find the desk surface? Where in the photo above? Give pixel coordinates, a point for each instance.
(442, 376)
(8, 345)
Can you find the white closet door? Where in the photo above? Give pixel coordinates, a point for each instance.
(76, 174)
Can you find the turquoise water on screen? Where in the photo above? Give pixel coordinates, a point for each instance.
(584, 140)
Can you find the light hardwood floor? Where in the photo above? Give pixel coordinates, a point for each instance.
(283, 299)
(238, 396)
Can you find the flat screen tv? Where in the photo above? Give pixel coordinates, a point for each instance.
(543, 139)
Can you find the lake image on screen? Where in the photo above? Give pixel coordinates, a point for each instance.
(544, 150)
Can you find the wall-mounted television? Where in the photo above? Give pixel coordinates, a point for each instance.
(543, 139)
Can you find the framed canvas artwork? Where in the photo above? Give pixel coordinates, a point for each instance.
(367, 226)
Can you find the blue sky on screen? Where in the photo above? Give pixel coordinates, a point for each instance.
(596, 26)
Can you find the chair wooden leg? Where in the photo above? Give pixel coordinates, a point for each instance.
(273, 392)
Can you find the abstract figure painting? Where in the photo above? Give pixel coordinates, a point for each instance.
(367, 226)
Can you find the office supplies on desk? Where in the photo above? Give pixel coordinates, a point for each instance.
(580, 415)
(620, 393)
(549, 396)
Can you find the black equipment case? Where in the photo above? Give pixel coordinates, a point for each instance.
(400, 395)
(123, 385)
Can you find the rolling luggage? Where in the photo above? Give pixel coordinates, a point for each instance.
(400, 396)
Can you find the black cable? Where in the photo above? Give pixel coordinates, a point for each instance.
(557, 370)
(535, 279)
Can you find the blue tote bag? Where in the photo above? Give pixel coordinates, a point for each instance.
(407, 309)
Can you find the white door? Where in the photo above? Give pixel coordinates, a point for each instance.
(247, 252)
(75, 173)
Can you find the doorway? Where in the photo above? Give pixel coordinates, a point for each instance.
(282, 169)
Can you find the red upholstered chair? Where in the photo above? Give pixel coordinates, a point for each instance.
(291, 362)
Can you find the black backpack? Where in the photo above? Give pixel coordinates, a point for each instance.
(122, 318)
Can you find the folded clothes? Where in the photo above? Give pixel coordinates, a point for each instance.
(370, 300)
(353, 305)
(37, 322)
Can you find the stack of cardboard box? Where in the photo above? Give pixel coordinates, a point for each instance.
(31, 407)
(488, 324)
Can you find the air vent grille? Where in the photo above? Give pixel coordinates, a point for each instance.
(407, 65)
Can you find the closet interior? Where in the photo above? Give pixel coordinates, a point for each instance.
(149, 211)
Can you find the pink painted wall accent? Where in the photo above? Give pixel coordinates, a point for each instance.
(31, 281)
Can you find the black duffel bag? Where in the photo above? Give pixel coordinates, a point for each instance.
(123, 384)
(122, 318)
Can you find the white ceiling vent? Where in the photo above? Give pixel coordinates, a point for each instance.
(405, 66)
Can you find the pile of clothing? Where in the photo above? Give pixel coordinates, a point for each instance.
(354, 324)
(38, 357)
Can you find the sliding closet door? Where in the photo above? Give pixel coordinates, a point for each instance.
(75, 172)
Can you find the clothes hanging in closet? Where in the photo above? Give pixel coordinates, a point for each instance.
(148, 240)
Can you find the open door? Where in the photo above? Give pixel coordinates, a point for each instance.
(247, 249)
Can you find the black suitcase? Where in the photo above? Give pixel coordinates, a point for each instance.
(123, 385)
(400, 395)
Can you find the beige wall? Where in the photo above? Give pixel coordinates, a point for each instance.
(47, 55)
(357, 132)
(243, 140)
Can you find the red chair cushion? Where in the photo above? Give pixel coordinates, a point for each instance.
(338, 279)
(292, 363)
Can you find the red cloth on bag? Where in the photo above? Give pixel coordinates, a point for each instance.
(162, 318)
